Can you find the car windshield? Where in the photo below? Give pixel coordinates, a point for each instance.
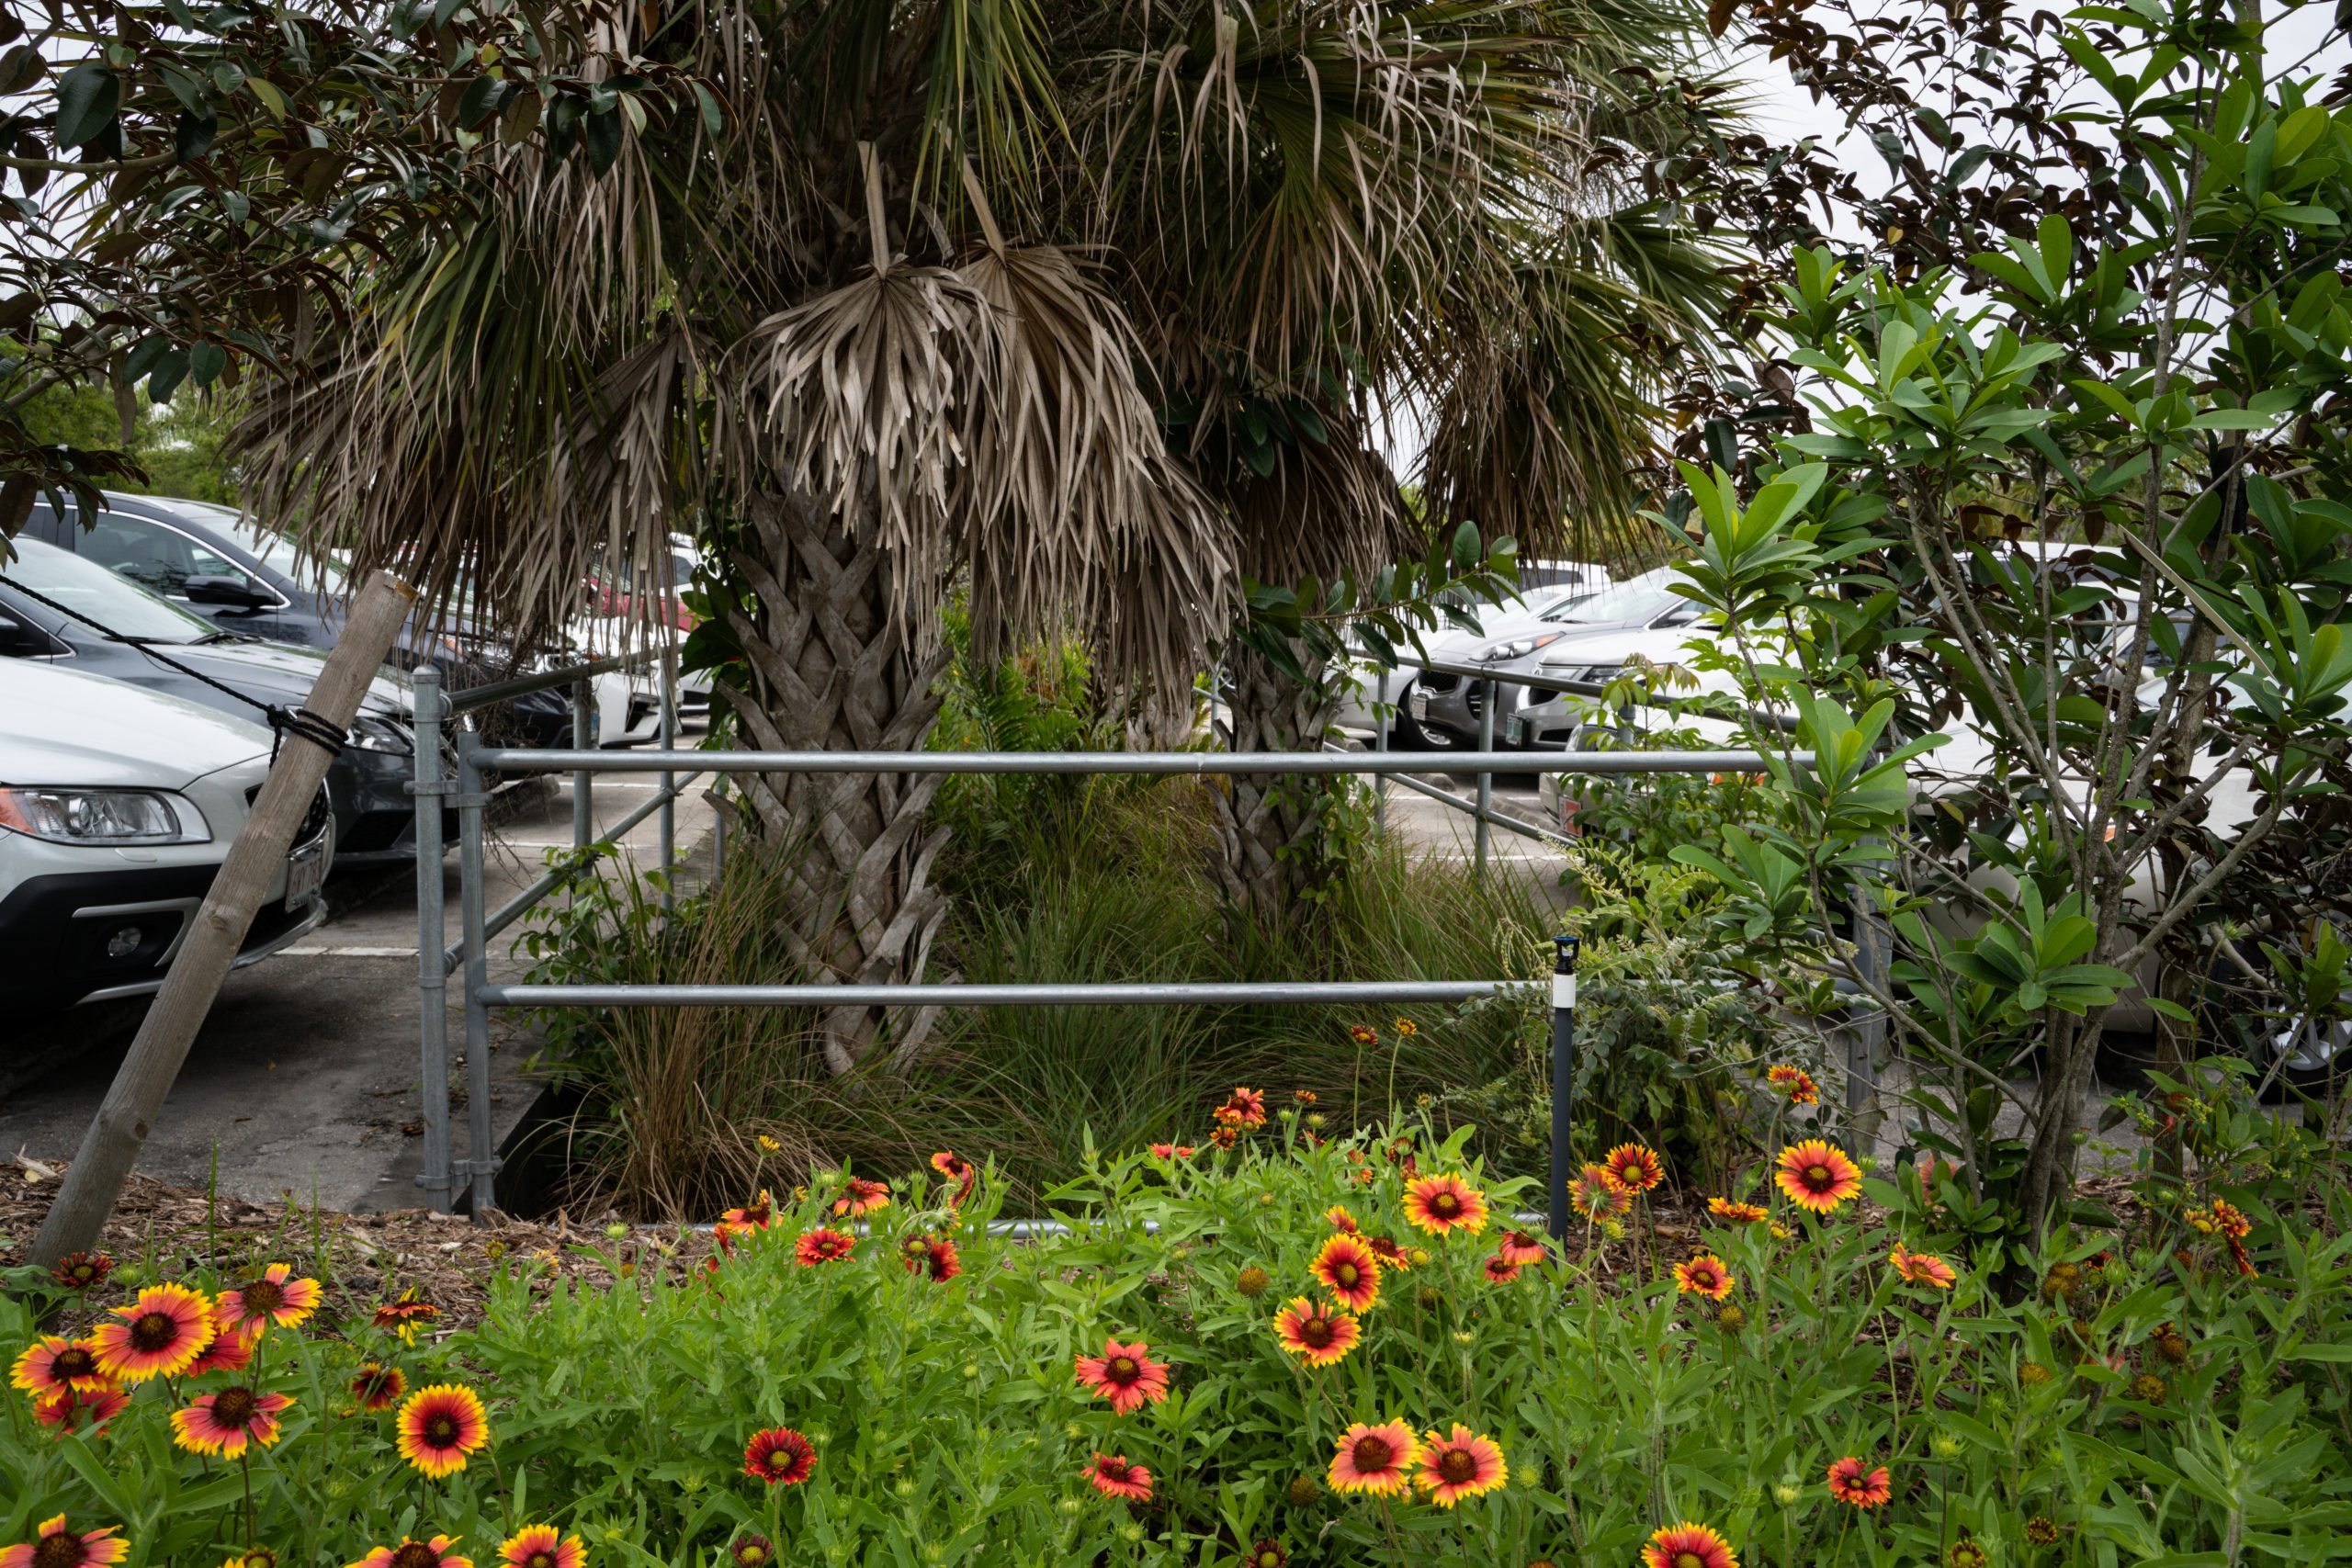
(115, 603)
(1641, 601)
(279, 554)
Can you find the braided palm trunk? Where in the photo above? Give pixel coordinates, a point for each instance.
(831, 669)
(1270, 835)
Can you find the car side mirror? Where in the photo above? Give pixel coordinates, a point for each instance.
(234, 591)
(12, 636)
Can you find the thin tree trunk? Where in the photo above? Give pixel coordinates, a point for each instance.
(1273, 853)
(831, 669)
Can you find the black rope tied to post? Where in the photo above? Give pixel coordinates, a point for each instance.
(299, 722)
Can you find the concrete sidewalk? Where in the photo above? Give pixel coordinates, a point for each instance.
(304, 1082)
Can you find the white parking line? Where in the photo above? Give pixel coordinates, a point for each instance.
(347, 953)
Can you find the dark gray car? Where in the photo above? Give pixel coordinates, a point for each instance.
(375, 819)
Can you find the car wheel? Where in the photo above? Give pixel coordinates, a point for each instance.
(2311, 1054)
(1406, 733)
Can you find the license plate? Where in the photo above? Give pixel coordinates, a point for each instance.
(1418, 703)
(1515, 729)
(306, 872)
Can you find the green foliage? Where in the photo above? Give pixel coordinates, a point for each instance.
(2144, 1401)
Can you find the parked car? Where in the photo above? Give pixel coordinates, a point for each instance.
(116, 806)
(1558, 640)
(620, 591)
(375, 819)
(246, 579)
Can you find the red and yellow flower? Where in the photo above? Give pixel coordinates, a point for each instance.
(159, 1334)
(1363, 1034)
(1111, 1475)
(1854, 1481)
(1704, 1275)
(232, 1350)
(275, 1297)
(1816, 1176)
(933, 1257)
(413, 1553)
(228, 1421)
(1123, 1375)
(860, 1196)
(82, 1270)
(1461, 1464)
(1521, 1248)
(1247, 1105)
(1440, 1204)
(1688, 1545)
(1340, 1219)
(72, 1410)
(1267, 1554)
(1499, 1269)
(957, 1169)
(52, 1363)
(376, 1386)
(1377, 1461)
(1921, 1269)
(1318, 1336)
(1350, 1270)
(1393, 1259)
(1597, 1194)
(779, 1456)
(407, 1315)
(1738, 1214)
(57, 1547)
(439, 1427)
(1636, 1167)
(542, 1546)
(1171, 1151)
(1796, 1083)
(823, 1245)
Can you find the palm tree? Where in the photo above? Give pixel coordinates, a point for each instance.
(1096, 307)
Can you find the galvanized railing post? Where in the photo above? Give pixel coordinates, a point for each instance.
(668, 781)
(1564, 1076)
(431, 788)
(1485, 779)
(1382, 718)
(481, 1165)
(583, 787)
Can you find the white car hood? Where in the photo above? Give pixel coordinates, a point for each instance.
(61, 727)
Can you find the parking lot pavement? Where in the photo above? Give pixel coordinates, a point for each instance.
(305, 1079)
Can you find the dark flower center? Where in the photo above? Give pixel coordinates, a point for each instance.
(235, 1406)
(155, 1331)
(263, 1295)
(752, 1554)
(63, 1549)
(1269, 1558)
(542, 1560)
(440, 1431)
(1456, 1465)
(1688, 1560)
(1123, 1369)
(415, 1554)
(1817, 1175)
(74, 1361)
(1114, 1470)
(1445, 1205)
(1347, 1273)
(1318, 1331)
(1372, 1454)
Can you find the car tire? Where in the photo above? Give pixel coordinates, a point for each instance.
(2238, 1020)
(1406, 733)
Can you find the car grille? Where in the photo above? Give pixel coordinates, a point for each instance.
(1436, 681)
(314, 820)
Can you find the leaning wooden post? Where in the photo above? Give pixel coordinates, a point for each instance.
(111, 1147)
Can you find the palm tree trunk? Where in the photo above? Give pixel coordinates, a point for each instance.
(832, 668)
(1271, 835)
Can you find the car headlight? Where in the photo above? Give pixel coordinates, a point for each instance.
(371, 733)
(101, 817)
(1517, 648)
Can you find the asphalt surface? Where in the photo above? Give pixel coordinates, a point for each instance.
(304, 1082)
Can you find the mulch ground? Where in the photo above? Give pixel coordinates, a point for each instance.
(366, 1259)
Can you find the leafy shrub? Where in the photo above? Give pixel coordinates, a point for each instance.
(2150, 1396)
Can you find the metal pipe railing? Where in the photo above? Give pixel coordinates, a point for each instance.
(1278, 993)
(474, 697)
(525, 760)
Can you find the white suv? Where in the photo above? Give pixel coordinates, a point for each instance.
(117, 806)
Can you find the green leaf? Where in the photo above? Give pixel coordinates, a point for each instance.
(87, 97)
(714, 120)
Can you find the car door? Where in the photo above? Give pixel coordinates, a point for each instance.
(163, 560)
